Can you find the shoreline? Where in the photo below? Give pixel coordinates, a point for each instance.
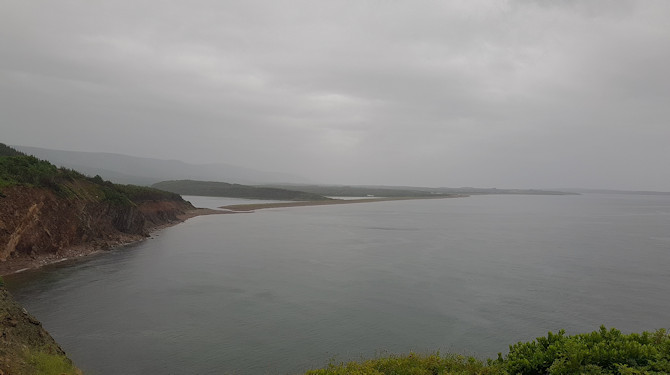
(251, 207)
(19, 265)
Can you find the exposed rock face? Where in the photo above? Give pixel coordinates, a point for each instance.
(37, 223)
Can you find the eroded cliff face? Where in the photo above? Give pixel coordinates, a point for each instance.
(39, 223)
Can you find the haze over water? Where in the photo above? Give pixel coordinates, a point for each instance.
(284, 290)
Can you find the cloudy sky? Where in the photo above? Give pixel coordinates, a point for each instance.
(530, 94)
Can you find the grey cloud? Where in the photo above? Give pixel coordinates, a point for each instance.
(516, 93)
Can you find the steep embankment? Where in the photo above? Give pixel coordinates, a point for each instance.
(38, 225)
(49, 213)
(25, 346)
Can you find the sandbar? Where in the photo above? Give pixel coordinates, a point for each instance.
(259, 206)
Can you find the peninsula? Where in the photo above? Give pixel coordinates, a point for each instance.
(48, 214)
(258, 206)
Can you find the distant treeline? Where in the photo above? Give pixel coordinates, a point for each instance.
(223, 189)
(407, 191)
(360, 191)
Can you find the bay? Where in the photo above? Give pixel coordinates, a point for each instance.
(280, 291)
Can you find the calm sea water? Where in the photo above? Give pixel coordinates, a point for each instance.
(283, 290)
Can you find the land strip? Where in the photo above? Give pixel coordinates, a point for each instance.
(119, 240)
(259, 206)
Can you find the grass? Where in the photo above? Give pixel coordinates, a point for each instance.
(50, 364)
(412, 364)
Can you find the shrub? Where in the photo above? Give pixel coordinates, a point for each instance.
(31, 171)
(9, 151)
(600, 352)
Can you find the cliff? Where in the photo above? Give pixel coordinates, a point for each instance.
(38, 225)
(49, 213)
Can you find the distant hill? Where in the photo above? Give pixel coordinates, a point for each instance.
(485, 191)
(127, 169)
(360, 191)
(610, 191)
(406, 191)
(222, 189)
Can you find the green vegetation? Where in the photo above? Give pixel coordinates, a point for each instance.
(25, 347)
(222, 189)
(412, 364)
(600, 352)
(144, 193)
(50, 364)
(361, 191)
(18, 169)
(408, 191)
(30, 171)
(8, 151)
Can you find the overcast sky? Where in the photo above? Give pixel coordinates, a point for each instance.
(532, 94)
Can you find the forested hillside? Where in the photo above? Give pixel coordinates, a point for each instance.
(46, 211)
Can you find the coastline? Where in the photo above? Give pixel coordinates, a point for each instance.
(18, 265)
(122, 239)
(251, 207)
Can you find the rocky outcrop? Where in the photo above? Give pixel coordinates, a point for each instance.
(38, 223)
(24, 343)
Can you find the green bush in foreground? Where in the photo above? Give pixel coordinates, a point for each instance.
(600, 352)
